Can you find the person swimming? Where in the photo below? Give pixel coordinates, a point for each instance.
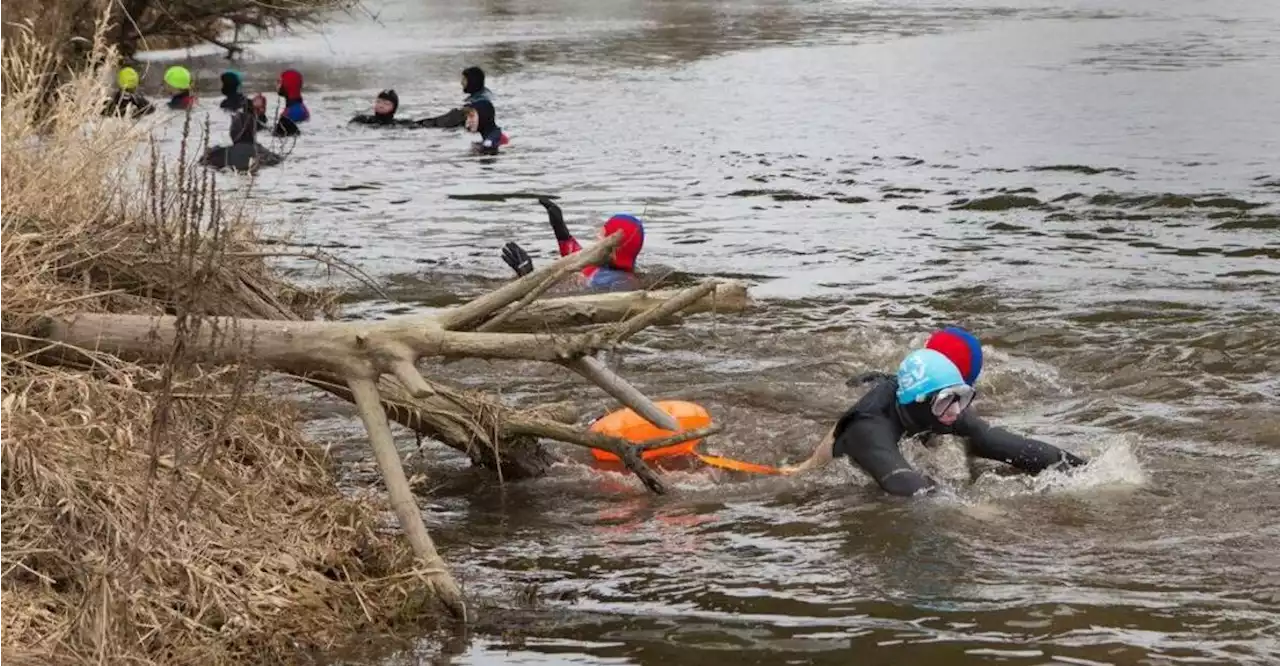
(480, 119)
(244, 153)
(259, 107)
(295, 110)
(178, 78)
(475, 90)
(930, 395)
(616, 274)
(232, 99)
(126, 99)
(385, 106)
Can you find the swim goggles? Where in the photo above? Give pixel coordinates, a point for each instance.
(953, 397)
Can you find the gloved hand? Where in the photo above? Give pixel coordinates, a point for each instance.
(517, 259)
(556, 218)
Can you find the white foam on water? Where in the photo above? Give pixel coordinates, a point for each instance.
(1113, 463)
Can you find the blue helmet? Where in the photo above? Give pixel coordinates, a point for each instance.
(925, 372)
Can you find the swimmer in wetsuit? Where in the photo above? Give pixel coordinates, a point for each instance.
(244, 153)
(473, 86)
(178, 78)
(930, 395)
(232, 99)
(295, 110)
(617, 274)
(480, 119)
(385, 106)
(126, 100)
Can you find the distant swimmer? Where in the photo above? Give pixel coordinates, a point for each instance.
(385, 106)
(244, 153)
(259, 106)
(480, 119)
(930, 395)
(295, 110)
(178, 79)
(474, 89)
(617, 273)
(126, 100)
(232, 99)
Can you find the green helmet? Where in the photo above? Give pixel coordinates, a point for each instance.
(178, 77)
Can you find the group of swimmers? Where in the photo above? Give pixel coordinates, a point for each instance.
(249, 115)
(931, 393)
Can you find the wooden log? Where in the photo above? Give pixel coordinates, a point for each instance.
(365, 393)
(567, 311)
(472, 313)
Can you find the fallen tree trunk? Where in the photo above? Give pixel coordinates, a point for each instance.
(567, 311)
(467, 421)
(371, 362)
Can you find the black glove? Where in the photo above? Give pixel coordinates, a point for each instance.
(556, 218)
(517, 259)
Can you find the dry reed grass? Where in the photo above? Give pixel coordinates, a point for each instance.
(169, 514)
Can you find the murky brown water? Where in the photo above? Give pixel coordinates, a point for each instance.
(1091, 185)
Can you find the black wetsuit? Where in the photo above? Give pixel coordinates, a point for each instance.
(388, 119)
(475, 91)
(385, 120)
(870, 431)
(244, 153)
(127, 103)
(182, 100)
(487, 128)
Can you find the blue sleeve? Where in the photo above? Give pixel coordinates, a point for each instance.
(296, 112)
(608, 279)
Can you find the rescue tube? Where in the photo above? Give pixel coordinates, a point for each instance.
(631, 426)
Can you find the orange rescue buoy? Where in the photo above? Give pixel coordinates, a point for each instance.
(631, 426)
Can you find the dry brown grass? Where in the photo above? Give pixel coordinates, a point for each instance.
(169, 514)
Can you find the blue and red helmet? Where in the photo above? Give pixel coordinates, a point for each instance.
(962, 348)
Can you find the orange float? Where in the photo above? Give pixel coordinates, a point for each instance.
(630, 426)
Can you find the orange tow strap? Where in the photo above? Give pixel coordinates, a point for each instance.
(736, 465)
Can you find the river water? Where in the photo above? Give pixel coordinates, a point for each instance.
(1090, 185)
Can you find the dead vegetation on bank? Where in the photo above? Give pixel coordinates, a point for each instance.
(170, 513)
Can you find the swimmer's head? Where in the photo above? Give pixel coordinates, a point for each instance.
(931, 388)
(472, 80)
(628, 251)
(480, 116)
(178, 78)
(230, 82)
(127, 78)
(290, 85)
(259, 104)
(386, 103)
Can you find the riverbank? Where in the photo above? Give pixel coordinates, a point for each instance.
(167, 513)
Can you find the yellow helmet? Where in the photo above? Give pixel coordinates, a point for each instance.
(178, 77)
(127, 78)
